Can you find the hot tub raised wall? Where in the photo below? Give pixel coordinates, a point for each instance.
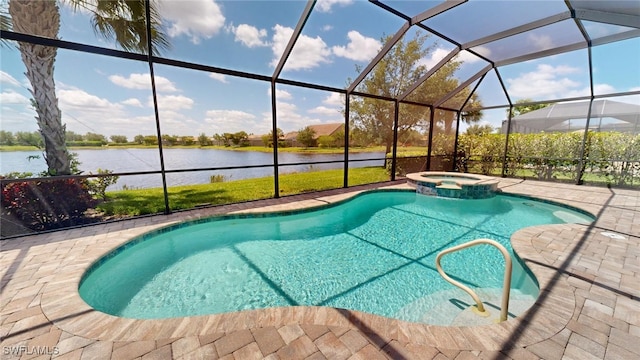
(454, 185)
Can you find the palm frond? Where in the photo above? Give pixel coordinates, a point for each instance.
(125, 22)
(5, 25)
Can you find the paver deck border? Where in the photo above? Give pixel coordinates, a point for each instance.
(549, 316)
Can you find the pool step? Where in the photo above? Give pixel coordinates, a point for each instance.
(454, 307)
(517, 305)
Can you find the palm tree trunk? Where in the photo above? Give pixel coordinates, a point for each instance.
(448, 120)
(42, 18)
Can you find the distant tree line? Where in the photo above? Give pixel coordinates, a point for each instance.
(34, 138)
(71, 139)
(240, 138)
(305, 137)
(20, 138)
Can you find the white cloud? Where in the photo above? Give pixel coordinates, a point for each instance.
(540, 42)
(77, 99)
(577, 93)
(18, 118)
(598, 89)
(196, 18)
(172, 102)
(327, 28)
(5, 78)
(545, 82)
(307, 53)
(464, 56)
(288, 117)
(326, 5)
(437, 55)
(359, 48)
(603, 89)
(334, 99)
(220, 121)
(326, 111)
(143, 82)
(281, 94)
(219, 77)
(131, 126)
(174, 122)
(132, 102)
(468, 58)
(250, 36)
(121, 125)
(82, 112)
(12, 97)
(228, 116)
(482, 50)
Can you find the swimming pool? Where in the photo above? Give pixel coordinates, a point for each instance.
(374, 253)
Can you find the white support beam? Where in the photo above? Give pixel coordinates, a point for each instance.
(469, 81)
(616, 37)
(385, 49)
(541, 54)
(294, 37)
(438, 9)
(518, 29)
(428, 74)
(609, 18)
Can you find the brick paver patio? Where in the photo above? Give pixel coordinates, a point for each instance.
(589, 305)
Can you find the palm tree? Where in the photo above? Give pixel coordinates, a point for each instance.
(124, 20)
(5, 25)
(524, 106)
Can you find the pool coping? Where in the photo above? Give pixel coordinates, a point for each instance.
(454, 185)
(61, 303)
(459, 178)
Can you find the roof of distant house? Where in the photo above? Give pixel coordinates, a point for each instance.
(326, 129)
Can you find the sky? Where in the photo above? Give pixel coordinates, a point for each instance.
(112, 96)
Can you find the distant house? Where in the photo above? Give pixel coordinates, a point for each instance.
(320, 130)
(328, 129)
(255, 140)
(290, 138)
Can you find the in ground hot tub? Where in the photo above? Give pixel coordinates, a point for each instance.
(454, 185)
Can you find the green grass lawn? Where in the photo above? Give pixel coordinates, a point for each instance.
(17, 148)
(151, 201)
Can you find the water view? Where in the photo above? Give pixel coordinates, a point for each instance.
(138, 160)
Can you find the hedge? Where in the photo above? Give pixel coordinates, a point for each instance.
(613, 156)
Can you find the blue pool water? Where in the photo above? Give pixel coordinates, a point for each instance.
(374, 253)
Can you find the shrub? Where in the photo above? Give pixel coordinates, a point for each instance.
(50, 204)
(480, 153)
(616, 156)
(306, 137)
(407, 162)
(16, 175)
(98, 186)
(217, 178)
(327, 141)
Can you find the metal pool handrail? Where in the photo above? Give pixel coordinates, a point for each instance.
(506, 285)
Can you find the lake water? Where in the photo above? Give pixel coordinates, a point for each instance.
(137, 160)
